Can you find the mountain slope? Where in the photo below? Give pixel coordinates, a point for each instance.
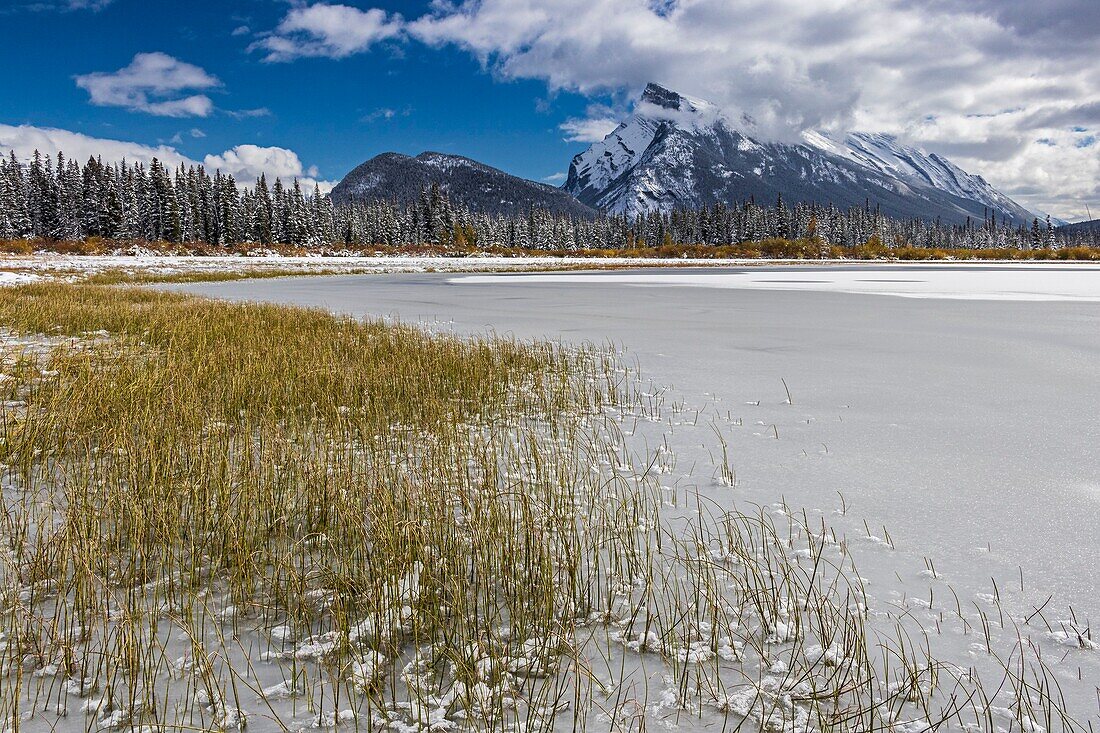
(677, 151)
(481, 188)
(1082, 227)
(886, 155)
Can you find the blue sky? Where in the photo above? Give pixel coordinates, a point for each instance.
(334, 113)
(310, 88)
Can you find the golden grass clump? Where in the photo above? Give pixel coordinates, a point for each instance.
(177, 461)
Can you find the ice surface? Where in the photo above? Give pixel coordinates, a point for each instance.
(960, 425)
(971, 281)
(969, 406)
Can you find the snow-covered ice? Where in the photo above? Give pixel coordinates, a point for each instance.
(964, 418)
(947, 438)
(969, 281)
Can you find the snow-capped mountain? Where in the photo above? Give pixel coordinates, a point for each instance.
(888, 156)
(678, 151)
(479, 187)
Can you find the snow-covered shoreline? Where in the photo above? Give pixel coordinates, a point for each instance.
(15, 269)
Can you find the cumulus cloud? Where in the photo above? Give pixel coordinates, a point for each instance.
(332, 31)
(1056, 172)
(244, 162)
(25, 139)
(155, 83)
(588, 129)
(247, 162)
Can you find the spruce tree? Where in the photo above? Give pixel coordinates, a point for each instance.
(264, 212)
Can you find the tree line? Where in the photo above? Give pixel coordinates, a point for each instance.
(59, 199)
(62, 200)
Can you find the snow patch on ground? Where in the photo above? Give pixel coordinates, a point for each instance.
(17, 278)
(997, 281)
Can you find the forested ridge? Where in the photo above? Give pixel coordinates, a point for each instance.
(57, 198)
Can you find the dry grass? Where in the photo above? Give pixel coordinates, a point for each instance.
(119, 276)
(316, 474)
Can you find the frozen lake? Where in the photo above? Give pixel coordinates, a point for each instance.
(964, 417)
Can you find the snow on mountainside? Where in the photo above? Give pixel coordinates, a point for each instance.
(625, 148)
(885, 154)
(677, 151)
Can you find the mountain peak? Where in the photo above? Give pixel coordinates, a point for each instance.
(680, 151)
(662, 104)
(660, 96)
(475, 185)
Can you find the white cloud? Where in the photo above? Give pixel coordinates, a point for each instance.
(1064, 162)
(793, 65)
(588, 130)
(386, 113)
(555, 178)
(383, 113)
(243, 114)
(195, 132)
(244, 162)
(155, 83)
(55, 5)
(25, 139)
(332, 31)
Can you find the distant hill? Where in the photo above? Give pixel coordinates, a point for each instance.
(1081, 227)
(675, 151)
(479, 187)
